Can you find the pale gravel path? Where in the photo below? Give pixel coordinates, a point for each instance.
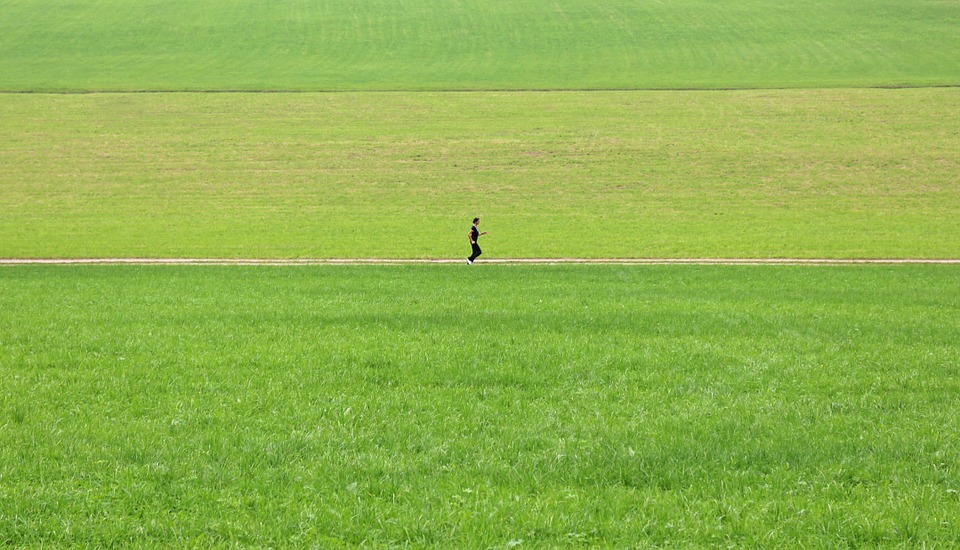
(494, 261)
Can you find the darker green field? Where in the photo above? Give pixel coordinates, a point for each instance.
(303, 45)
(447, 406)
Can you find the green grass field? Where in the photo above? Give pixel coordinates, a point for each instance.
(454, 407)
(494, 406)
(119, 45)
(788, 173)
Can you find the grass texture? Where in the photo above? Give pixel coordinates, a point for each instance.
(304, 45)
(480, 407)
(825, 173)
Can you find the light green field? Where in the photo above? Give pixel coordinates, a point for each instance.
(474, 407)
(828, 173)
(121, 45)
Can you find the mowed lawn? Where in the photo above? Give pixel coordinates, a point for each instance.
(119, 45)
(775, 173)
(480, 407)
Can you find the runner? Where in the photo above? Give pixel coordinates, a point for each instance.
(474, 235)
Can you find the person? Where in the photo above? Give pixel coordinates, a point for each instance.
(474, 235)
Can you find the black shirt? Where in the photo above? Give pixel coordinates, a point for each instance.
(474, 234)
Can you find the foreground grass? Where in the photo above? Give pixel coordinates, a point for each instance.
(118, 45)
(817, 173)
(478, 407)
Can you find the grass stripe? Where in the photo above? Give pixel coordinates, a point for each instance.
(737, 174)
(63, 45)
(433, 406)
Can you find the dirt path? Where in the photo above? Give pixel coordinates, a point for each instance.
(495, 261)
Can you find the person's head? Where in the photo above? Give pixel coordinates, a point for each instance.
(476, 221)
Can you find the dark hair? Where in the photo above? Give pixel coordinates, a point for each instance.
(475, 220)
